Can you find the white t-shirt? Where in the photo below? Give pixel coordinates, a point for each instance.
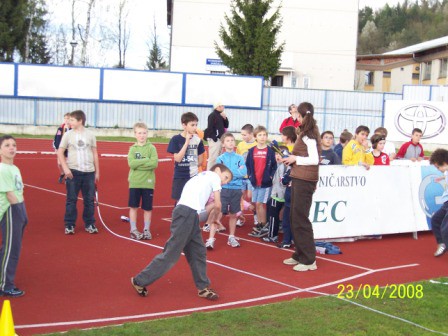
(198, 189)
(389, 148)
(79, 145)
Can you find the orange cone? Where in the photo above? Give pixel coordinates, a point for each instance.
(6, 321)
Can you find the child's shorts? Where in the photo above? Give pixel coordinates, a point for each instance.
(231, 201)
(247, 185)
(145, 195)
(261, 195)
(178, 186)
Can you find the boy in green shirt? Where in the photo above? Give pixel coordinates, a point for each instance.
(142, 160)
(13, 217)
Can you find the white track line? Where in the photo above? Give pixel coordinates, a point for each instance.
(197, 309)
(80, 198)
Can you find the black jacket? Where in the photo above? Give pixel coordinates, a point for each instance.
(215, 126)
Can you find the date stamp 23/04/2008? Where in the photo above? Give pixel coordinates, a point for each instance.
(390, 291)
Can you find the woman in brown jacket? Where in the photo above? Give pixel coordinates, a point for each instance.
(304, 163)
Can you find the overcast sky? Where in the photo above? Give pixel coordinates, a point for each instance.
(142, 14)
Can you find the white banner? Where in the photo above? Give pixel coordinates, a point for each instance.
(402, 116)
(352, 201)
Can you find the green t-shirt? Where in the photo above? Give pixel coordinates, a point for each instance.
(10, 180)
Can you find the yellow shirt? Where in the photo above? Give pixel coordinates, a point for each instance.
(243, 147)
(354, 153)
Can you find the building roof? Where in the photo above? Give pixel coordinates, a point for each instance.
(436, 43)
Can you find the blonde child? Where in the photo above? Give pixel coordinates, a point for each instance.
(261, 166)
(142, 161)
(231, 193)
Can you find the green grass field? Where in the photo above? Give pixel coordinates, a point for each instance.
(314, 316)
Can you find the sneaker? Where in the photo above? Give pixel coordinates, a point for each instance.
(209, 294)
(69, 230)
(210, 243)
(303, 268)
(12, 292)
(61, 178)
(142, 291)
(146, 235)
(270, 239)
(206, 228)
(240, 221)
(441, 249)
(257, 226)
(290, 262)
(232, 241)
(91, 229)
(125, 219)
(258, 234)
(137, 235)
(284, 245)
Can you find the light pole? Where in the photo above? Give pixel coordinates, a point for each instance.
(73, 43)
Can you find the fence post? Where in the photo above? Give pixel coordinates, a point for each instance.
(325, 110)
(154, 117)
(268, 107)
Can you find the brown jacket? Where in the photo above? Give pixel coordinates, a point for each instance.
(307, 173)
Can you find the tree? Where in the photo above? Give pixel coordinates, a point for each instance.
(34, 48)
(12, 27)
(122, 34)
(155, 59)
(250, 41)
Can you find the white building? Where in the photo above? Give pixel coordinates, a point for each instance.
(320, 40)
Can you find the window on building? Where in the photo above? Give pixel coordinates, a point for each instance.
(386, 74)
(277, 81)
(370, 75)
(427, 70)
(217, 72)
(443, 67)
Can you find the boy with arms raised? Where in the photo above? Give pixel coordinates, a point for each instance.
(142, 160)
(186, 235)
(357, 151)
(187, 149)
(231, 193)
(81, 171)
(261, 166)
(13, 217)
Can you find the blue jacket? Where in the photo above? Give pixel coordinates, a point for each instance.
(237, 166)
(269, 170)
(286, 179)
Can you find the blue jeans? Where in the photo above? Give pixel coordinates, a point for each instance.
(439, 223)
(86, 183)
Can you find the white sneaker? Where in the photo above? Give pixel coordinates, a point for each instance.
(135, 234)
(303, 268)
(206, 228)
(232, 241)
(210, 243)
(441, 249)
(290, 262)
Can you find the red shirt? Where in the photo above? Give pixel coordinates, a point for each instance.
(260, 156)
(381, 160)
(289, 122)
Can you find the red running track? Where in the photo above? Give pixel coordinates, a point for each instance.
(83, 280)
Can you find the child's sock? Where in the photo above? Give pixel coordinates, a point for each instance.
(147, 225)
(133, 226)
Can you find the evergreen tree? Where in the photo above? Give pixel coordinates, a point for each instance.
(12, 27)
(155, 59)
(34, 48)
(250, 43)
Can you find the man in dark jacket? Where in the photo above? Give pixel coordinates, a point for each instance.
(217, 124)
